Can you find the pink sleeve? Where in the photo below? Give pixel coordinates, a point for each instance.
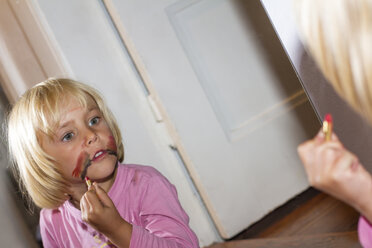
(365, 232)
(46, 236)
(165, 223)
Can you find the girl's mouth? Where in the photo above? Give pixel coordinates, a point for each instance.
(84, 162)
(99, 154)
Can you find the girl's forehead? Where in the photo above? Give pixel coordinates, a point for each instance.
(72, 105)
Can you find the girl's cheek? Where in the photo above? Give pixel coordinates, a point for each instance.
(112, 144)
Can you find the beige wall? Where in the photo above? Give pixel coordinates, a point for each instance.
(27, 57)
(27, 53)
(14, 231)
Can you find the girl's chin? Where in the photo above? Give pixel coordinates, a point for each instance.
(101, 174)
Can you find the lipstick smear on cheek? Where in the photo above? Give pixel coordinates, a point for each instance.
(112, 144)
(79, 164)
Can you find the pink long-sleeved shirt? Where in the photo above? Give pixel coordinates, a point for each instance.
(143, 197)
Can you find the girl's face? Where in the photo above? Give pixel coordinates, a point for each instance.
(83, 143)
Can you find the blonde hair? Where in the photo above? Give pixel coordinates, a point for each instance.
(338, 34)
(37, 112)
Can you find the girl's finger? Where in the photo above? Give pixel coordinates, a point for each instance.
(83, 209)
(326, 155)
(92, 200)
(346, 162)
(311, 153)
(307, 148)
(318, 162)
(320, 137)
(332, 145)
(334, 137)
(105, 199)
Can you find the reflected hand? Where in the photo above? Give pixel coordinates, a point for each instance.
(336, 171)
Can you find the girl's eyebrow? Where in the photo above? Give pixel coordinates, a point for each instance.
(68, 122)
(93, 108)
(64, 124)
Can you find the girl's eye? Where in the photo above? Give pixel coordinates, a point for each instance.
(67, 137)
(94, 121)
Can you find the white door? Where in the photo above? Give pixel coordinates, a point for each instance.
(236, 107)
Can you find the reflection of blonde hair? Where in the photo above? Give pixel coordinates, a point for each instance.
(37, 112)
(338, 34)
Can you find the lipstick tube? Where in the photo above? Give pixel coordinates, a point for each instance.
(88, 182)
(327, 126)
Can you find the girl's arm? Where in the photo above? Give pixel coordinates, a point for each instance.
(46, 227)
(165, 223)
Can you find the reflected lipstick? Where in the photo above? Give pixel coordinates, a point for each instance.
(328, 126)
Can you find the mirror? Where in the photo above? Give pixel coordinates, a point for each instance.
(352, 129)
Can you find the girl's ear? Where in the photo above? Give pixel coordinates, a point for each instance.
(68, 196)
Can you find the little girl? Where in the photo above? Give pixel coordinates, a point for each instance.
(61, 132)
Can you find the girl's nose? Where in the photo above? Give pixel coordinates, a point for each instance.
(91, 137)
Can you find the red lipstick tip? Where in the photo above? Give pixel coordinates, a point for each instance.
(328, 118)
(88, 182)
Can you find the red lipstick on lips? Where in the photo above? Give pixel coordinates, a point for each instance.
(103, 153)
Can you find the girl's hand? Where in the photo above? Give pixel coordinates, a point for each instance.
(99, 211)
(336, 171)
